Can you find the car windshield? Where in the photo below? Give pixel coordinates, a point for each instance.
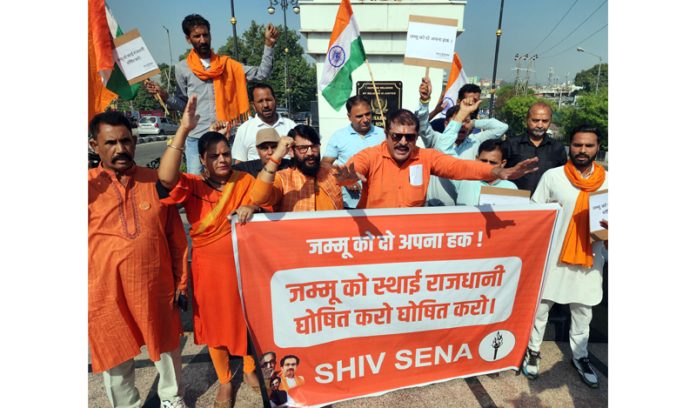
(148, 119)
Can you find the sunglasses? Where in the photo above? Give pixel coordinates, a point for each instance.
(410, 137)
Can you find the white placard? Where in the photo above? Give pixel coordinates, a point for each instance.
(133, 57)
(429, 42)
(502, 196)
(599, 210)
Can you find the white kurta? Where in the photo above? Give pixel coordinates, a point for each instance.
(569, 283)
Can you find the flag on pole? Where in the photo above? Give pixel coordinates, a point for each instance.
(106, 81)
(100, 58)
(457, 79)
(344, 55)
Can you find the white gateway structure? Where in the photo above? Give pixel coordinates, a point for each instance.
(383, 25)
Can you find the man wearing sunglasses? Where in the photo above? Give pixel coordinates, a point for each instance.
(397, 172)
(307, 186)
(266, 143)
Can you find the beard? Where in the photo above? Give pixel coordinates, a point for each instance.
(308, 170)
(577, 163)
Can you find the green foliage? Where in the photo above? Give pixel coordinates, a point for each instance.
(301, 75)
(503, 94)
(592, 109)
(142, 101)
(514, 112)
(588, 78)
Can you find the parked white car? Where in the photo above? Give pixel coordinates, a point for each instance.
(156, 125)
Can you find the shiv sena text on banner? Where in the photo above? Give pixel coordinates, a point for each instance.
(369, 301)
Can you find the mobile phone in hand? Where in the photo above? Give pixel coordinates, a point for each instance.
(182, 302)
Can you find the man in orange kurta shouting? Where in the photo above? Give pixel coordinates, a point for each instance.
(137, 268)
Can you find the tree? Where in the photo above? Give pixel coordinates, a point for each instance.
(588, 78)
(514, 112)
(592, 109)
(301, 75)
(504, 93)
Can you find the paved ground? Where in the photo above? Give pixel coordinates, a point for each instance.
(558, 385)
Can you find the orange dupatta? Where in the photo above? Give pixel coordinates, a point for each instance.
(229, 84)
(576, 248)
(215, 223)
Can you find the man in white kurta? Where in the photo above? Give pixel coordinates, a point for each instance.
(578, 286)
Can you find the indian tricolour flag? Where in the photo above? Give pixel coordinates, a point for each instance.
(345, 55)
(106, 81)
(457, 79)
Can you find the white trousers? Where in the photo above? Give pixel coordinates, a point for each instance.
(120, 381)
(580, 318)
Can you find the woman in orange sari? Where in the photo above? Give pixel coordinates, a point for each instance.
(208, 199)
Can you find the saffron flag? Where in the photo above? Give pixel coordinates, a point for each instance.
(106, 81)
(457, 79)
(100, 58)
(345, 54)
(375, 300)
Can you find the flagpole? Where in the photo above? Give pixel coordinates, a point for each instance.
(379, 102)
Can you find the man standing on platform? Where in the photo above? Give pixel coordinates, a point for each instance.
(576, 276)
(219, 81)
(137, 268)
(344, 143)
(536, 143)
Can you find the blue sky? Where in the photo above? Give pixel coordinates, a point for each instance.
(525, 24)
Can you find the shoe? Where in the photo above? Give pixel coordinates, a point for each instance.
(176, 402)
(530, 365)
(587, 373)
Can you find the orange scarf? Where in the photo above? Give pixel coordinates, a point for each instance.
(576, 248)
(215, 223)
(229, 84)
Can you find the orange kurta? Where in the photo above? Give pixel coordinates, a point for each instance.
(390, 185)
(217, 308)
(293, 191)
(137, 257)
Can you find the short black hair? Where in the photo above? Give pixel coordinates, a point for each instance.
(402, 117)
(306, 132)
(585, 128)
(468, 88)
(282, 360)
(208, 139)
(356, 100)
(261, 85)
(193, 20)
(113, 118)
(491, 145)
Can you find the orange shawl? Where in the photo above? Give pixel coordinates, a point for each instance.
(229, 84)
(215, 222)
(576, 248)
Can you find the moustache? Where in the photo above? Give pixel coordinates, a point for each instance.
(312, 157)
(122, 156)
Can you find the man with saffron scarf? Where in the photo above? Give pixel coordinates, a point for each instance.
(219, 81)
(576, 278)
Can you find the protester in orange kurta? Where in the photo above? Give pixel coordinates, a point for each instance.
(396, 172)
(304, 187)
(137, 267)
(208, 199)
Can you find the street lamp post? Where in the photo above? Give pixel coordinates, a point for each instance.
(233, 20)
(599, 67)
(296, 9)
(498, 33)
(169, 75)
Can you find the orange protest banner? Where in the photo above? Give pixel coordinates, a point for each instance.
(356, 303)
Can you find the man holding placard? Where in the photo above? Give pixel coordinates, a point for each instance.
(576, 276)
(457, 140)
(219, 81)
